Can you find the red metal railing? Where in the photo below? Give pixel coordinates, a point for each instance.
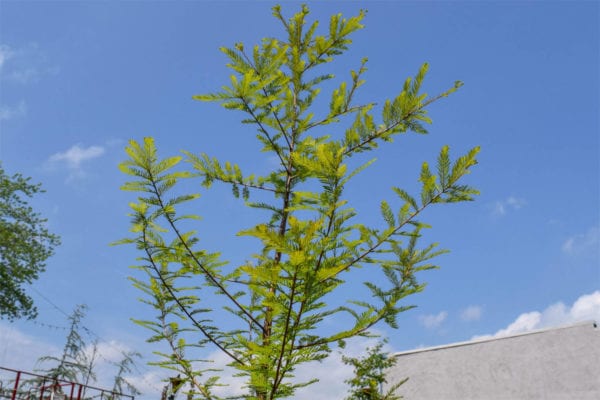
(20, 385)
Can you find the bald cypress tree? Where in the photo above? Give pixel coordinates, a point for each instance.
(311, 240)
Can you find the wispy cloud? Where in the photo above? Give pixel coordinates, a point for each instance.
(107, 354)
(511, 203)
(583, 243)
(19, 350)
(471, 313)
(8, 112)
(24, 65)
(150, 383)
(586, 307)
(25, 75)
(5, 54)
(433, 321)
(76, 155)
(74, 158)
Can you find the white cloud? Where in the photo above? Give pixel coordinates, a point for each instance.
(583, 243)
(524, 323)
(332, 372)
(150, 383)
(586, 307)
(5, 54)
(108, 354)
(24, 65)
(432, 321)
(111, 351)
(21, 351)
(501, 207)
(77, 155)
(233, 385)
(24, 75)
(471, 313)
(74, 157)
(7, 112)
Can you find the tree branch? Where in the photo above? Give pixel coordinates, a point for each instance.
(248, 185)
(181, 306)
(206, 272)
(377, 134)
(384, 239)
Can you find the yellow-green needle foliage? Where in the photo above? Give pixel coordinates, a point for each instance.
(311, 240)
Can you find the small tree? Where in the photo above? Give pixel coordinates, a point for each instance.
(125, 366)
(25, 245)
(369, 375)
(72, 365)
(310, 241)
(77, 362)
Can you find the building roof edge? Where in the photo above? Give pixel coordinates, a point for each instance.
(493, 339)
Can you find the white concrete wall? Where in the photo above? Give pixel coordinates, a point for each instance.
(553, 364)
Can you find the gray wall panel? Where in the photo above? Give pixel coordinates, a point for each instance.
(552, 364)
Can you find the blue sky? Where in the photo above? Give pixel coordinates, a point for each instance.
(78, 80)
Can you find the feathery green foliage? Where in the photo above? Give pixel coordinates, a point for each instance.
(73, 364)
(25, 245)
(125, 366)
(369, 375)
(77, 362)
(311, 240)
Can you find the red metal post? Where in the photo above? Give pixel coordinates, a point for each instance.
(42, 389)
(79, 392)
(14, 393)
